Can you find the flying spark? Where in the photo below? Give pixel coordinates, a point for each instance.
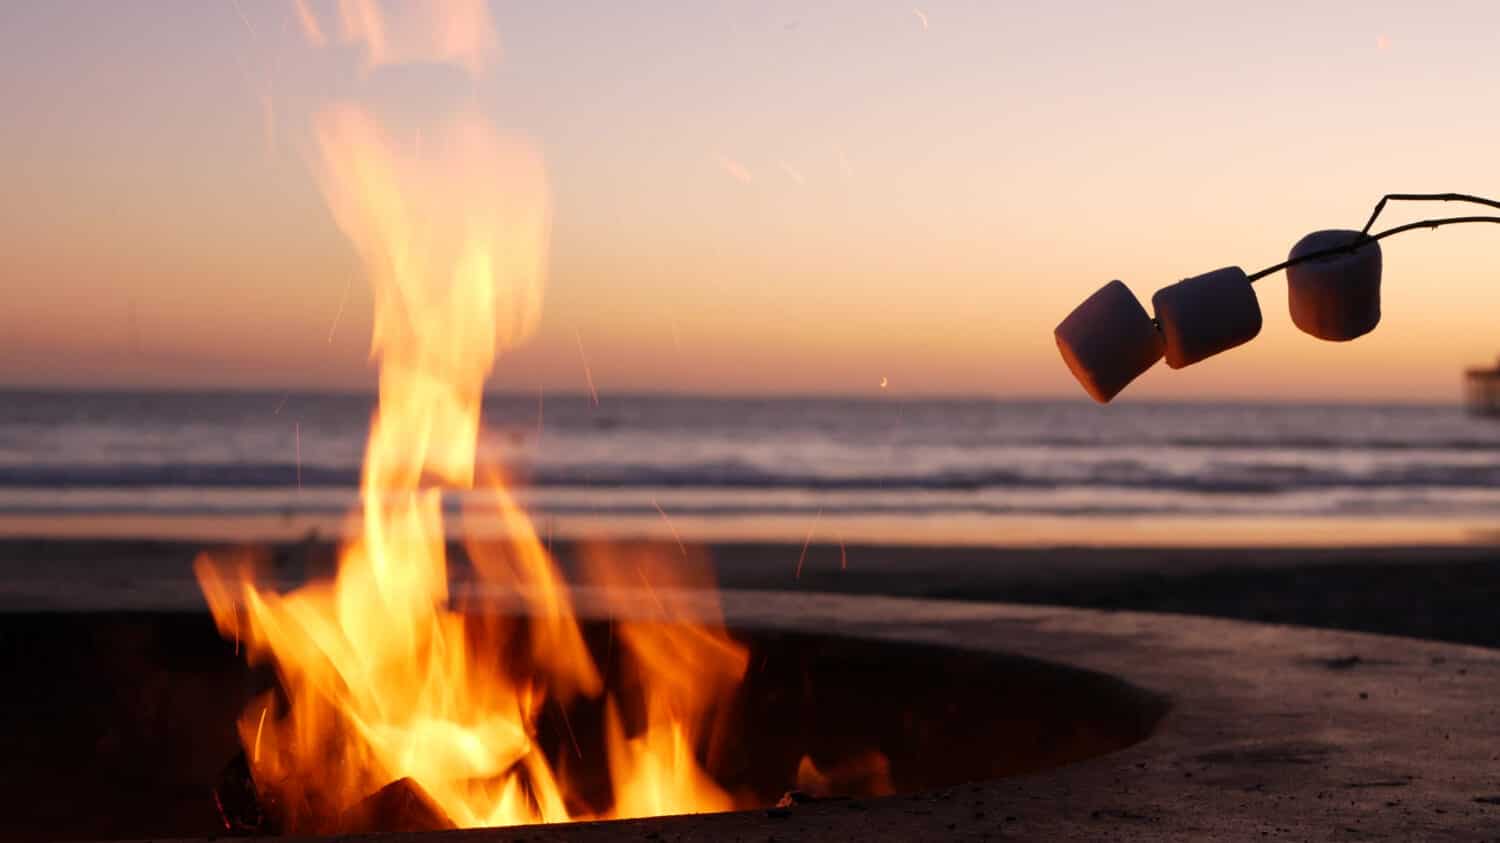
(1382, 42)
(805, 542)
(588, 373)
(262, 92)
(310, 28)
(884, 382)
(791, 172)
(663, 513)
(574, 738)
(244, 20)
(921, 16)
(255, 755)
(651, 592)
(339, 314)
(735, 169)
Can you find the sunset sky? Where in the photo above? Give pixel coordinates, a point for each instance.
(762, 197)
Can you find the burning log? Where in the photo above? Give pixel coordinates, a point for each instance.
(793, 798)
(401, 805)
(246, 809)
(242, 807)
(867, 773)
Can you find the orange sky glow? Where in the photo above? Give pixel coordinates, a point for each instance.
(761, 198)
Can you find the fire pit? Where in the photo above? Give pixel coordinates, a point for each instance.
(122, 722)
(120, 725)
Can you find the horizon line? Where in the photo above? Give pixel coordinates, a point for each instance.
(668, 394)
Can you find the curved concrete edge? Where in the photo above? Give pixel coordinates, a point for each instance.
(1275, 732)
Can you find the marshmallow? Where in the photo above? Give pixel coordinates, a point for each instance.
(1205, 315)
(1336, 297)
(1108, 341)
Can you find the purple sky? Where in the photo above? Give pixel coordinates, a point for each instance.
(760, 197)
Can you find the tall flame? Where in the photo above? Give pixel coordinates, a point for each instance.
(382, 679)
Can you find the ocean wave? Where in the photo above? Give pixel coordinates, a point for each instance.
(179, 475)
(1247, 443)
(291, 508)
(1213, 478)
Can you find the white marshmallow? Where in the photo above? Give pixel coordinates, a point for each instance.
(1335, 297)
(1108, 340)
(1206, 314)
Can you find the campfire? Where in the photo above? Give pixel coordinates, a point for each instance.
(394, 706)
(431, 684)
(123, 722)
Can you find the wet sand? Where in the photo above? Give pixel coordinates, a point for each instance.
(1442, 593)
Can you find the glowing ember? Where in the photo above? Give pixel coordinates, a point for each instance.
(389, 695)
(869, 772)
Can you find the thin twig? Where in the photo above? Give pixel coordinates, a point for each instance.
(1359, 242)
(1424, 197)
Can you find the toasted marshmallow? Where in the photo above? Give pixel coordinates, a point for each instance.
(1335, 297)
(1108, 341)
(1205, 315)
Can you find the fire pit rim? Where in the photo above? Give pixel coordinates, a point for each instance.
(1304, 732)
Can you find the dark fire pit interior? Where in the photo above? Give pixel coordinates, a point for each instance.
(120, 725)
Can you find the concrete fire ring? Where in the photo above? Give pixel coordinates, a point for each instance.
(1274, 732)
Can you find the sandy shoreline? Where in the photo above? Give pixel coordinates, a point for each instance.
(1444, 593)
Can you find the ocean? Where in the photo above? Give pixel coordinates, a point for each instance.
(786, 469)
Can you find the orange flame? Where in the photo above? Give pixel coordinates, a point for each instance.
(685, 663)
(866, 772)
(387, 690)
